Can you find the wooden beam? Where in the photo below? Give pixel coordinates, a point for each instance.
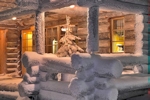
(56, 4)
(40, 32)
(8, 14)
(115, 5)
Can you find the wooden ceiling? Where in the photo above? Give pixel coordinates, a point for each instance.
(51, 16)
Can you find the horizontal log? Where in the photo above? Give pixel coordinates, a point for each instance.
(132, 94)
(115, 5)
(104, 43)
(104, 28)
(129, 18)
(110, 93)
(107, 24)
(104, 36)
(56, 86)
(103, 20)
(48, 62)
(55, 4)
(129, 49)
(107, 15)
(103, 50)
(84, 61)
(50, 95)
(145, 2)
(129, 25)
(128, 59)
(129, 42)
(130, 34)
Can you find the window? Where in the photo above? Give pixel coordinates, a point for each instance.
(117, 35)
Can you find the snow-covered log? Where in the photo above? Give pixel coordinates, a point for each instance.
(26, 89)
(128, 83)
(48, 62)
(31, 80)
(55, 86)
(44, 76)
(141, 2)
(115, 5)
(30, 59)
(101, 65)
(106, 94)
(92, 37)
(50, 95)
(102, 83)
(83, 61)
(80, 88)
(86, 75)
(40, 32)
(124, 96)
(110, 68)
(28, 3)
(33, 71)
(142, 69)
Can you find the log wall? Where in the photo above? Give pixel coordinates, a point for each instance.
(105, 33)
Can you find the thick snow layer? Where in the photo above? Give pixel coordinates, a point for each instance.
(80, 88)
(115, 5)
(31, 59)
(48, 62)
(33, 71)
(7, 95)
(86, 75)
(31, 80)
(100, 65)
(26, 89)
(110, 68)
(106, 94)
(102, 83)
(128, 83)
(50, 95)
(55, 86)
(131, 94)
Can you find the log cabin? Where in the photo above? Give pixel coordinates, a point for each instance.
(122, 29)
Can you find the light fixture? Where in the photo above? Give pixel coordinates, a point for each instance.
(14, 18)
(72, 6)
(63, 29)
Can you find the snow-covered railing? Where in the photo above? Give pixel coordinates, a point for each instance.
(95, 77)
(39, 79)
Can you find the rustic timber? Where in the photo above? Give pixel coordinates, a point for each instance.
(40, 32)
(92, 37)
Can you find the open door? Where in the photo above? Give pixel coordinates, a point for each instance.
(3, 51)
(27, 43)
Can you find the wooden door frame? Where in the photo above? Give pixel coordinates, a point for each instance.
(3, 51)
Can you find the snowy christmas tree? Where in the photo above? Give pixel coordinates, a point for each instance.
(69, 46)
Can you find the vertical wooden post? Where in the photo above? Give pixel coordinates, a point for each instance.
(92, 37)
(3, 51)
(40, 32)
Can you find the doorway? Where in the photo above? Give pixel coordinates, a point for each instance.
(27, 44)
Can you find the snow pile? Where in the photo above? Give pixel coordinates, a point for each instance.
(93, 77)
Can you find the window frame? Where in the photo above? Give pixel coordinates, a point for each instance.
(112, 33)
